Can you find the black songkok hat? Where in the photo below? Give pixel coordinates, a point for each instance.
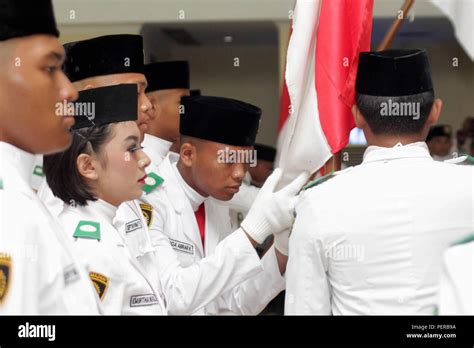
(104, 55)
(393, 73)
(221, 120)
(23, 18)
(112, 104)
(167, 75)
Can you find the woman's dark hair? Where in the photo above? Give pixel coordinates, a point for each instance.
(61, 170)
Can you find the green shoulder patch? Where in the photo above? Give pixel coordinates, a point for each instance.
(5, 275)
(38, 170)
(147, 211)
(318, 181)
(1, 184)
(87, 229)
(152, 181)
(469, 238)
(101, 283)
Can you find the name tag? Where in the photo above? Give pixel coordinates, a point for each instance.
(133, 225)
(181, 246)
(143, 300)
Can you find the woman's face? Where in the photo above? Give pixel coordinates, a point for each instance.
(120, 167)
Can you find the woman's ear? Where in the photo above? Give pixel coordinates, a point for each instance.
(85, 167)
(187, 154)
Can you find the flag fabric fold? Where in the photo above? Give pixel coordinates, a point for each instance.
(460, 12)
(315, 120)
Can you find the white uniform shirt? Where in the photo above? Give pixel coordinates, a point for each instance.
(120, 280)
(52, 203)
(456, 293)
(39, 273)
(371, 240)
(226, 260)
(156, 148)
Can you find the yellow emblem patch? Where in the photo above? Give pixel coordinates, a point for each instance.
(101, 283)
(147, 211)
(5, 275)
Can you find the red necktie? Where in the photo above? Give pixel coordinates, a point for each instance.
(201, 220)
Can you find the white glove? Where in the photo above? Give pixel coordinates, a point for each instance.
(281, 242)
(273, 212)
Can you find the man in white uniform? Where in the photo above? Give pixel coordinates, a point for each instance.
(39, 274)
(198, 226)
(370, 240)
(456, 290)
(167, 83)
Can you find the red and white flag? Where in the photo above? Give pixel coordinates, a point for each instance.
(319, 90)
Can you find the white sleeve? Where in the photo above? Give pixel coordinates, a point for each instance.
(191, 288)
(307, 289)
(253, 295)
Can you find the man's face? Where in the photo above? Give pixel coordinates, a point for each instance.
(440, 146)
(166, 103)
(32, 85)
(213, 172)
(260, 172)
(145, 112)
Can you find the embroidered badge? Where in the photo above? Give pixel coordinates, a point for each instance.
(87, 229)
(147, 211)
(5, 275)
(152, 181)
(38, 170)
(101, 283)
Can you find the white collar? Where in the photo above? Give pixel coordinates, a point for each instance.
(16, 160)
(103, 209)
(159, 145)
(195, 199)
(413, 150)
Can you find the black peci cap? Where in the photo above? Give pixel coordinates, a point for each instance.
(167, 75)
(221, 120)
(110, 104)
(394, 73)
(20, 18)
(104, 55)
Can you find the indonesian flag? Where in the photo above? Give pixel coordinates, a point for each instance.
(319, 89)
(460, 12)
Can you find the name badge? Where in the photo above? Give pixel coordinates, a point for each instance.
(143, 300)
(181, 246)
(132, 226)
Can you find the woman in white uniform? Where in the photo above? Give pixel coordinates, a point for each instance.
(104, 167)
